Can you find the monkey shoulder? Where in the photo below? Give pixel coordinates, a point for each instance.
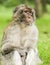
(34, 30)
(12, 27)
(10, 31)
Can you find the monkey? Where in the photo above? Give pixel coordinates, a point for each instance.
(19, 42)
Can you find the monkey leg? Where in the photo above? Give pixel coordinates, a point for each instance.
(11, 59)
(23, 55)
(17, 58)
(32, 58)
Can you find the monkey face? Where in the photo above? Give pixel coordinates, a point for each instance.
(27, 16)
(24, 14)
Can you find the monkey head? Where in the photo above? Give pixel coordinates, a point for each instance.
(23, 13)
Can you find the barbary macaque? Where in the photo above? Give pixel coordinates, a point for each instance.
(19, 43)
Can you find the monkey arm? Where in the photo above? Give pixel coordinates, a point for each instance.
(8, 43)
(7, 48)
(34, 36)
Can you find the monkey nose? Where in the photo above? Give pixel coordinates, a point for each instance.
(28, 16)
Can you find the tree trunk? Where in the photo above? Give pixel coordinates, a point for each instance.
(37, 8)
(44, 9)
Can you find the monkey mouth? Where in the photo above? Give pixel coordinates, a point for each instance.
(29, 20)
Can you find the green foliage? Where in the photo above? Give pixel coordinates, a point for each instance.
(43, 25)
(48, 1)
(11, 3)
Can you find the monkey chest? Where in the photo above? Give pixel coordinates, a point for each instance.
(25, 37)
(21, 37)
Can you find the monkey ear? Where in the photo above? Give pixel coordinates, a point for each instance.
(15, 10)
(34, 16)
(18, 7)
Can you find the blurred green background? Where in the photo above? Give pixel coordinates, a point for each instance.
(42, 8)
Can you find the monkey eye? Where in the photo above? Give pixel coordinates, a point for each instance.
(21, 11)
(26, 11)
(32, 14)
(29, 12)
(6, 51)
